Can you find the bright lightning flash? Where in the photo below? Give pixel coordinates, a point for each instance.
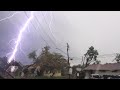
(19, 37)
(12, 68)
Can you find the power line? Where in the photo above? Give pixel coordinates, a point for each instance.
(45, 33)
(44, 30)
(51, 33)
(55, 43)
(54, 28)
(49, 29)
(36, 29)
(62, 51)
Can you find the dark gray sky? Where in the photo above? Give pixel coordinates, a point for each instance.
(80, 29)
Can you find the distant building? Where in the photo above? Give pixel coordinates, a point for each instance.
(102, 69)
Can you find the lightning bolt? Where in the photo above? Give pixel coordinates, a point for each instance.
(20, 36)
(9, 16)
(18, 40)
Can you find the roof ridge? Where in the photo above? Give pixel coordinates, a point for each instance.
(108, 66)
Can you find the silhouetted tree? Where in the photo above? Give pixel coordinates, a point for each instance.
(48, 61)
(117, 58)
(91, 56)
(51, 61)
(33, 56)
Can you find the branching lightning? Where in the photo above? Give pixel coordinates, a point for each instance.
(9, 16)
(20, 36)
(51, 19)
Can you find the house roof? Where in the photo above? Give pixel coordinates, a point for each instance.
(4, 66)
(109, 66)
(5, 74)
(15, 63)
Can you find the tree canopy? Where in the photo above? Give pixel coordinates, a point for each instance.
(91, 56)
(117, 58)
(32, 55)
(49, 61)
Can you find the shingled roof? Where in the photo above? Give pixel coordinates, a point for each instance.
(108, 66)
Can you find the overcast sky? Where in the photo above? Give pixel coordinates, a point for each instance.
(81, 29)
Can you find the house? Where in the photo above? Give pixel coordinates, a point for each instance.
(5, 75)
(17, 65)
(15, 68)
(5, 67)
(102, 69)
(56, 74)
(35, 69)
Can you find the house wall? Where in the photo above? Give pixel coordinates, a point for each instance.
(108, 73)
(88, 73)
(57, 74)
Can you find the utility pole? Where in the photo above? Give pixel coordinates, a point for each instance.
(68, 54)
(68, 59)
